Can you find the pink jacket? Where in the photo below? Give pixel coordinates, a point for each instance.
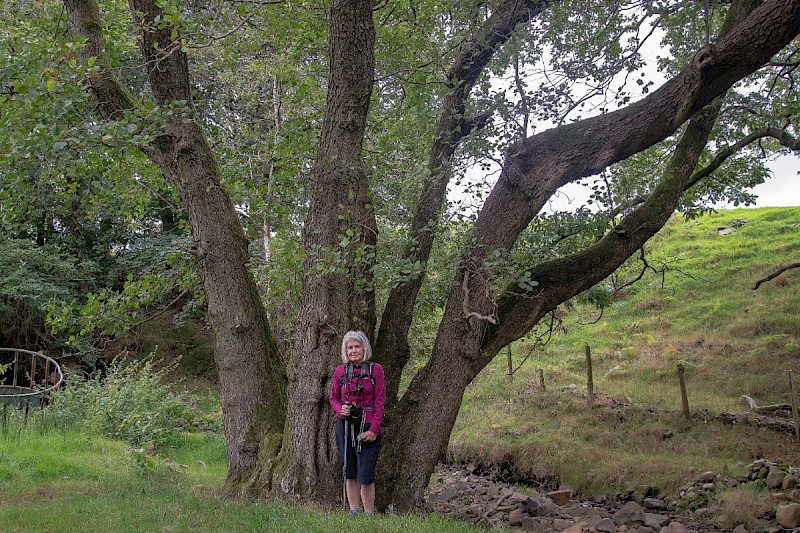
(369, 397)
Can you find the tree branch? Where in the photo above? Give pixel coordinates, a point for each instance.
(775, 274)
(113, 98)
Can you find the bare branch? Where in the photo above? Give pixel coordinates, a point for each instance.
(465, 304)
(775, 274)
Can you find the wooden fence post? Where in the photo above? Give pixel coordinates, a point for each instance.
(589, 379)
(795, 414)
(510, 363)
(684, 398)
(541, 379)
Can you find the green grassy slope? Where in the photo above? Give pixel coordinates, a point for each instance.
(701, 312)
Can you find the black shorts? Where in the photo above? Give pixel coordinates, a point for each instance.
(360, 464)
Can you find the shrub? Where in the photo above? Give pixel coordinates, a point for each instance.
(130, 403)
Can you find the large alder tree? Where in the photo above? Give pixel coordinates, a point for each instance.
(278, 426)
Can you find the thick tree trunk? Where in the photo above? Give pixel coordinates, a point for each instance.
(339, 238)
(466, 340)
(252, 382)
(391, 346)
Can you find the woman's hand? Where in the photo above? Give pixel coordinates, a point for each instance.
(345, 411)
(367, 436)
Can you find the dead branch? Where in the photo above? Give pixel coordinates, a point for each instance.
(465, 304)
(775, 274)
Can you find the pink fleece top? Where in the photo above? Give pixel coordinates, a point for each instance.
(369, 397)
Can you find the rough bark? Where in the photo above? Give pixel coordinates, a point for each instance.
(533, 171)
(391, 346)
(252, 380)
(339, 233)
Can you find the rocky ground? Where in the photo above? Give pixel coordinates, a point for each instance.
(464, 493)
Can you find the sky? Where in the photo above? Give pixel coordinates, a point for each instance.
(782, 190)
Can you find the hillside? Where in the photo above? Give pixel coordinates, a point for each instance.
(694, 305)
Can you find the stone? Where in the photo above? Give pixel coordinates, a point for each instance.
(655, 504)
(656, 520)
(577, 528)
(775, 478)
(674, 527)
(740, 529)
(605, 525)
(516, 516)
(630, 513)
(448, 494)
(788, 516)
(789, 482)
(537, 506)
(561, 523)
(708, 477)
(560, 497)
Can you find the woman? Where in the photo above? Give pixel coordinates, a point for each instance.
(358, 393)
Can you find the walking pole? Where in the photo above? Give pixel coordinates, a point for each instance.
(344, 466)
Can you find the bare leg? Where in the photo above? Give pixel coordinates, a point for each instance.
(368, 497)
(354, 495)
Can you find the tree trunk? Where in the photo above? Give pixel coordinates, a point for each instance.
(467, 340)
(339, 239)
(391, 346)
(252, 380)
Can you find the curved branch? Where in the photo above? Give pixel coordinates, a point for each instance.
(536, 167)
(391, 345)
(113, 98)
(775, 274)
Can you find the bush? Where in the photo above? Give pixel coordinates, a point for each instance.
(129, 403)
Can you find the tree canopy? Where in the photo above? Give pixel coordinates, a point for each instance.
(308, 149)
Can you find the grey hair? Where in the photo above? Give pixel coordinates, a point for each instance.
(359, 336)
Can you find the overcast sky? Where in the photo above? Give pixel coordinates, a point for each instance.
(783, 190)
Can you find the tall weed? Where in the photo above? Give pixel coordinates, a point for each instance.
(130, 402)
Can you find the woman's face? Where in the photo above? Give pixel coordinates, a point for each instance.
(355, 351)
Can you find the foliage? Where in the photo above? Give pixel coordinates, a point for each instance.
(34, 277)
(130, 402)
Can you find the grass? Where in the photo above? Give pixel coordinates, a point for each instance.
(703, 313)
(731, 339)
(56, 479)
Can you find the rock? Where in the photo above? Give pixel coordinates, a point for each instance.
(605, 525)
(537, 506)
(789, 482)
(740, 529)
(708, 477)
(561, 523)
(529, 524)
(788, 516)
(775, 477)
(560, 497)
(630, 514)
(655, 504)
(448, 494)
(516, 516)
(656, 520)
(674, 527)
